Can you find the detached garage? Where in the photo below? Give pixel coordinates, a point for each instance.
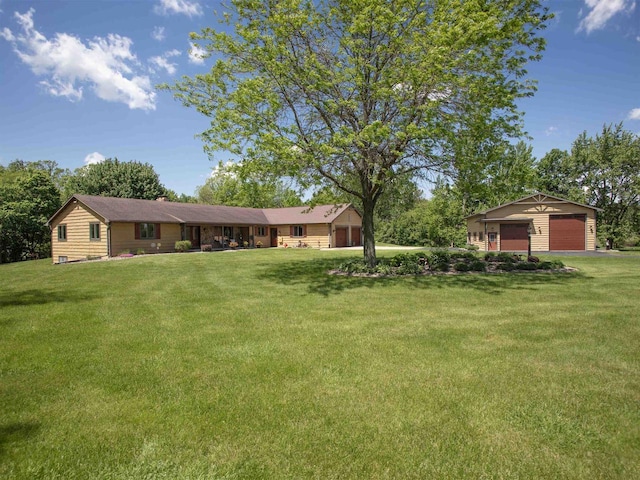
(553, 223)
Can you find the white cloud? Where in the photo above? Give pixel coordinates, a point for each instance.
(634, 114)
(197, 55)
(158, 34)
(162, 61)
(550, 131)
(106, 65)
(601, 11)
(185, 7)
(94, 158)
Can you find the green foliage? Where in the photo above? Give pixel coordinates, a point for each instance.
(507, 172)
(436, 222)
(477, 266)
(360, 93)
(182, 246)
(526, 266)
(228, 185)
(112, 178)
(461, 267)
(28, 198)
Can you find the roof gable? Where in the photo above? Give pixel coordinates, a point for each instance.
(537, 198)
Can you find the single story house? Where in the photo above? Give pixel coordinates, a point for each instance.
(553, 223)
(89, 226)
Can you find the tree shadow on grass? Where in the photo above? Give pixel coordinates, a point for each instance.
(34, 297)
(40, 296)
(16, 432)
(314, 273)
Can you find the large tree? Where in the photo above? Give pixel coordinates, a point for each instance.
(28, 198)
(358, 92)
(113, 178)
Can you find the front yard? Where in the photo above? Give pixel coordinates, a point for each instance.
(258, 364)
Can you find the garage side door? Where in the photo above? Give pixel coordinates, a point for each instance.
(567, 232)
(513, 237)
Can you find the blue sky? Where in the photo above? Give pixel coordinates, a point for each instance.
(77, 80)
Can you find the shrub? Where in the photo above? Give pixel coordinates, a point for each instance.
(533, 259)
(384, 269)
(507, 266)
(354, 265)
(477, 266)
(526, 266)
(472, 247)
(206, 248)
(507, 257)
(461, 267)
(545, 265)
(440, 256)
(140, 251)
(182, 246)
(409, 268)
(464, 255)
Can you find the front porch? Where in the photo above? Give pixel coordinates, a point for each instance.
(219, 237)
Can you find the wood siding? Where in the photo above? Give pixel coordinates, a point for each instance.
(78, 245)
(539, 212)
(123, 239)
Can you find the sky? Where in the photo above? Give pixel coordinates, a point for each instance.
(78, 77)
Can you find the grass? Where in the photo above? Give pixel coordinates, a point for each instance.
(256, 364)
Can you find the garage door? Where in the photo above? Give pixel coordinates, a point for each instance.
(567, 232)
(513, 237)
(355, 236)
(342, 235)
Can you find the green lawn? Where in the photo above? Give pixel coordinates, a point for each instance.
(256, 364)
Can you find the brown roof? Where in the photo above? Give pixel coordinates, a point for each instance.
(294, 215)
(113, 209)
(540, 197)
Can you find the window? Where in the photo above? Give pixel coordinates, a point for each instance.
(147, 231)
(261, 231)
(94, 231)
(62, 259)
(475, 236)
(62, 233)
(481, 236)
(297, 230)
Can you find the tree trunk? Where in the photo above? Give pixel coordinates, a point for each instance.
(367, 229)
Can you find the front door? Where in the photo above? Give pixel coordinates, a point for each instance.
(492, 238)
(274, 237)
(194, 237)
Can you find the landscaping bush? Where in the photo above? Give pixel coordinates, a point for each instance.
(409, 268)
(206, 248)
(477, 266)
(461, 267)
(354, 265)
(507, 267)
(526, 266)
(439, 256)
(182, 246)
